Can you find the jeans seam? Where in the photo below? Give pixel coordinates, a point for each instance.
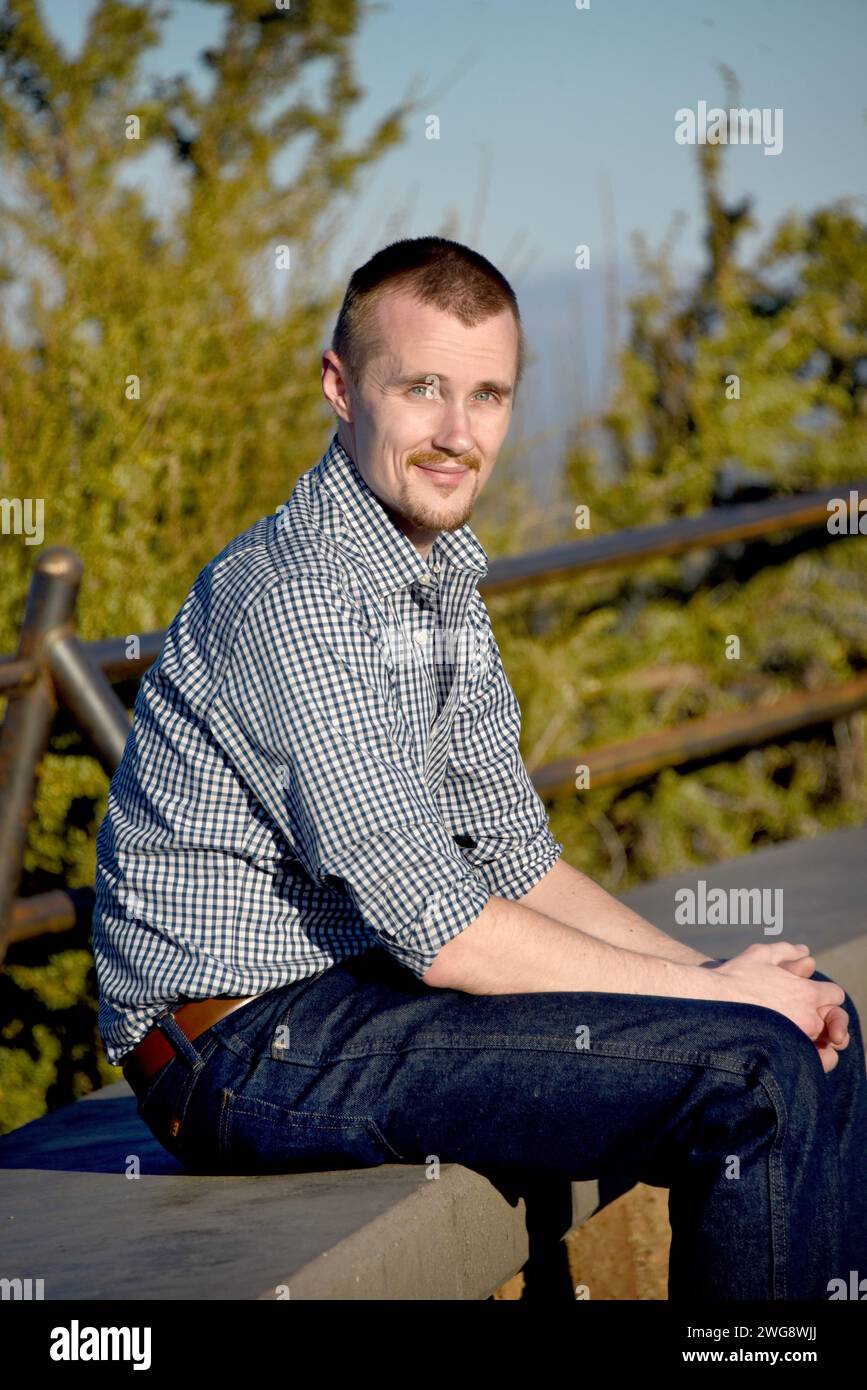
(495, 1042)
(776, 1182)
(227, 1098)
(381, 1139)
(328, 1119)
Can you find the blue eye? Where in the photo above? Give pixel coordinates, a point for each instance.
(430, 393)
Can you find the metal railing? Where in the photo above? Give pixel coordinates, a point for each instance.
(54, 670)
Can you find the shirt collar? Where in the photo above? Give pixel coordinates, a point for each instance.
(366, 527)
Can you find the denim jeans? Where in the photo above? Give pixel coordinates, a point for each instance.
(726, 1105)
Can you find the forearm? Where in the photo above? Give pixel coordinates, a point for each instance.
(510, 948)
(570, 897)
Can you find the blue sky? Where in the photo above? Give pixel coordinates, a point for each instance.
(557, 128)
(558, 99)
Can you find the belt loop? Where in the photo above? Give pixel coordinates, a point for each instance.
(169, 1026)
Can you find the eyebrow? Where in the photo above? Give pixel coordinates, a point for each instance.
(419, 378)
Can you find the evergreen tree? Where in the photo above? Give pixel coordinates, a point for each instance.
(165, 393)
(158, 391)
(757, 372)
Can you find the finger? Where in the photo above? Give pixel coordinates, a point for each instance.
(828, 993)
(823, 1041)
(835, 1029)
(837, 1026)
(827, 1053)
(783, 950)
(828, 1058)
(805, 966)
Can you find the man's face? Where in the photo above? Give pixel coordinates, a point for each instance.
(426, 422)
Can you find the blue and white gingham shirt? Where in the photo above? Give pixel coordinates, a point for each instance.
(324, 757)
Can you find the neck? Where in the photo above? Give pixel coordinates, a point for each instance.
(421, 537)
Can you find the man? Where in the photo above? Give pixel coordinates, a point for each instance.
(323, 836)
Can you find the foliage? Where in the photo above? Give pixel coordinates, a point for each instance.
(229, 413)
(99, 288)
(621, 653)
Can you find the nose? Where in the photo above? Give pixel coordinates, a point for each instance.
(452, 434)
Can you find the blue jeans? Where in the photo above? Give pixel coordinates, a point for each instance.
(726, 1105)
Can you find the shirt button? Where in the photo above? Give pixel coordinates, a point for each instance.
(424, 579)
(420, 639)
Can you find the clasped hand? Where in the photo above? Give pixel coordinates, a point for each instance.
(833, 1021)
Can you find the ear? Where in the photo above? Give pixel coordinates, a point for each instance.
(336, 386)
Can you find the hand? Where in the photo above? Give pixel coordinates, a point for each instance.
(751, 978)
(835, 1034)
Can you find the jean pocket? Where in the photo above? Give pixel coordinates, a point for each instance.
(150, 1086)
(164, 1105)
(259, 1136)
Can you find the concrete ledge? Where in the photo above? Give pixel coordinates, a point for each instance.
(71, 1217)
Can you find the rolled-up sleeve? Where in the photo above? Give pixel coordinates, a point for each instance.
(307, 713)
(487, 796)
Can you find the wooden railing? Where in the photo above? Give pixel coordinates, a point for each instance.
(53, 671)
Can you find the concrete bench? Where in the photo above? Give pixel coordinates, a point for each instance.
(71, 1217)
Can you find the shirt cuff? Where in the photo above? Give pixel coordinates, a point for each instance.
(445, 915)
(514, 874)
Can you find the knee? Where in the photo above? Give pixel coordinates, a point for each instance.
(772, 1040)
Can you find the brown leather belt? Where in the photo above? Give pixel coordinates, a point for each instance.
(155, 1050)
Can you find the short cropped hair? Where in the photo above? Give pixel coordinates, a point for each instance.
(436, 271)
